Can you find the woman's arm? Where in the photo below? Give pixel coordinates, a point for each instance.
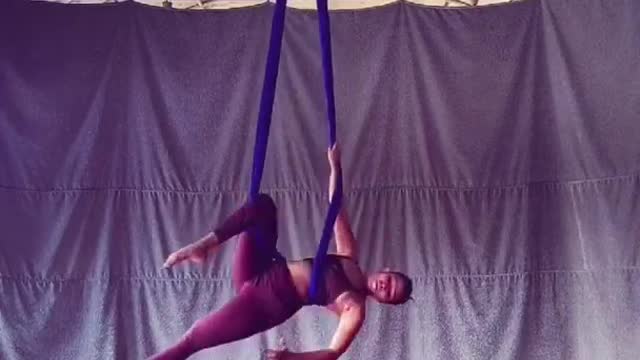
(351, 319)
(345, 240)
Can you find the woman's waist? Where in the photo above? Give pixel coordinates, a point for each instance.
(300, 276)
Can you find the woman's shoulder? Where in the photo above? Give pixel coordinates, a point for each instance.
(349, 300)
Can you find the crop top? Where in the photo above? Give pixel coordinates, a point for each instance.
(341, 274)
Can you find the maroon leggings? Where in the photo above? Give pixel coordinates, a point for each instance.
(265, 293)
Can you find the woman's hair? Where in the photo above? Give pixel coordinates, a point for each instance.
(408, 288)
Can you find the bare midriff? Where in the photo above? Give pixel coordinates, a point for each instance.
(300, 273)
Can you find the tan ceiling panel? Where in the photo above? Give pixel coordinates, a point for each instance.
(299, 4)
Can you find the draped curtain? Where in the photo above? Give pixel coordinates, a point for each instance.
(492, 154)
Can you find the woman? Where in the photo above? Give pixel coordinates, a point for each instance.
(270, 289)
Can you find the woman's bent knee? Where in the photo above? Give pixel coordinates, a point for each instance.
(265, 204)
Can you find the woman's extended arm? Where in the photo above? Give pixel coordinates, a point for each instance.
(345, 240)
(351, 319)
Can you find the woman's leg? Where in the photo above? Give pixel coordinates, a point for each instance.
(256, 308)
(256, 223)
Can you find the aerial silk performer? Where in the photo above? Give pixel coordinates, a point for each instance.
(269, 288)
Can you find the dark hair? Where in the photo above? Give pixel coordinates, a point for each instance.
(408, 288)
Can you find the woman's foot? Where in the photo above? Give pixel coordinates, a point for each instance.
(196, 252)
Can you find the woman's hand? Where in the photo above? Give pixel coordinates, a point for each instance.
(278, 354)
(282, 354)
(333, 154)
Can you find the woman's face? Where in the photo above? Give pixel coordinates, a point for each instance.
(386, 287)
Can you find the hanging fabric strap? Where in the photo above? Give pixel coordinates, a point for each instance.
(266, 100)
(316, 288)
(264, 123)
(266, 108)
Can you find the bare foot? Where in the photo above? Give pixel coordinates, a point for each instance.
(196, 252)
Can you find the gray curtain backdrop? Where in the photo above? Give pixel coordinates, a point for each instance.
(493, 154)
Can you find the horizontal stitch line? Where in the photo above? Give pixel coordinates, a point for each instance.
(420, 278)
(523, 186)
(530, 273)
